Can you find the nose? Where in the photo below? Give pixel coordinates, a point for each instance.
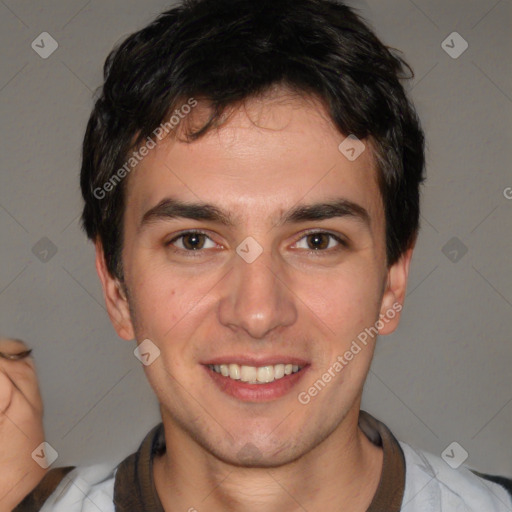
(257, 297)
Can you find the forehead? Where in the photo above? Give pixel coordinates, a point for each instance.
(268, 155)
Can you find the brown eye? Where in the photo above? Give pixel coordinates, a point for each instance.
(320, 241)
(193, 241)
(190, 241)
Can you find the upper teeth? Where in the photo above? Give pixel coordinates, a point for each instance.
(254, 374)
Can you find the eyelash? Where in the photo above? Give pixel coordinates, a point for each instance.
(343, 244)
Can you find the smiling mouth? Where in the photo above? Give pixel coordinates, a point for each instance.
(255, 374)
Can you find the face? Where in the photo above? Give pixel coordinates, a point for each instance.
(281, 262)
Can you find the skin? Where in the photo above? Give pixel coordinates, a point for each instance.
(21, 423)
(270, 155)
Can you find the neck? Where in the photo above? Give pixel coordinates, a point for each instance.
(342, 471)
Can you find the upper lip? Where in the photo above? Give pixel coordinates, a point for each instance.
(245, 360)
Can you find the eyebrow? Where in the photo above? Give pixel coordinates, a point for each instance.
(171, 208)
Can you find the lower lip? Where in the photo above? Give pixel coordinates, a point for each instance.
(256, 392)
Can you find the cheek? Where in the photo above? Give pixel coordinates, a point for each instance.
(159, 301)
(346, 301)
(169, 308)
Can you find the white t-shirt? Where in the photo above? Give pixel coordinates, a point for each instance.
(412, 480)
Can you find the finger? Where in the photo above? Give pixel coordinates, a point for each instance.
(16, 357)
(21, 372)
(12, 345)
(6, 392)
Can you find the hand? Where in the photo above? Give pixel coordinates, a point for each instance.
(21, 423)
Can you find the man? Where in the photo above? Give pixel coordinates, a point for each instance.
(251, 180)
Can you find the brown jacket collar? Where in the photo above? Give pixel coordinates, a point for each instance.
(135, 488)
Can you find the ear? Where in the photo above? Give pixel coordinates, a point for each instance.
(394, 293)
(115, 297)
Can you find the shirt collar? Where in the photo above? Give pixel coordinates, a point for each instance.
(134, 487)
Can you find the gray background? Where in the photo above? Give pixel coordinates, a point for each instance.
(443, 376)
